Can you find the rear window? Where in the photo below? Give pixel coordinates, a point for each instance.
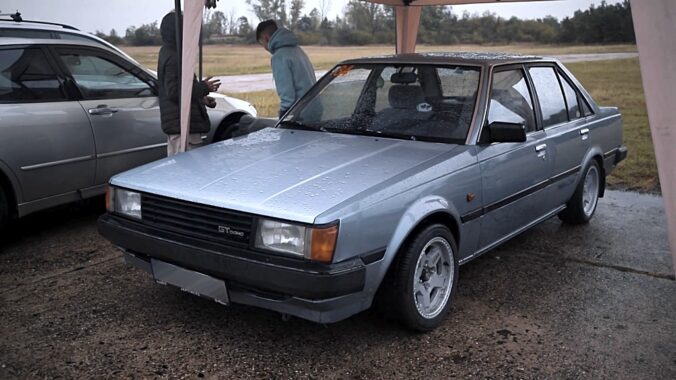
(25, 75)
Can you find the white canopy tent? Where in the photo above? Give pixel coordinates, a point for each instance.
(655, 27)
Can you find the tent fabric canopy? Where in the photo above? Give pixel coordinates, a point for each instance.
(654, 23)
(422, 3)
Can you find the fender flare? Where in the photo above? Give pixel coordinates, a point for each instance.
(594, 151)
(416, 214)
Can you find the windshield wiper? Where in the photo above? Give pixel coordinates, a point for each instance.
(292, 124)
(370, 132)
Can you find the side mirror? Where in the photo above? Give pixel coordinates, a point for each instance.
(503, 132)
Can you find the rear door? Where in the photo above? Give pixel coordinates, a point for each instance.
(45, 136)
(563, 120)
(122, 105)
(514, 175)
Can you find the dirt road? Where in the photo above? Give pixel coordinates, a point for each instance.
(557, 302)
(259, 82)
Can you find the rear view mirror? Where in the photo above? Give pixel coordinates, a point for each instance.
(506, 132)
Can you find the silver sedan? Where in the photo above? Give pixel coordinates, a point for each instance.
(375, 187)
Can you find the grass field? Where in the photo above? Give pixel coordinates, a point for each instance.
(611, 83)
(618, 83)
(236, 59)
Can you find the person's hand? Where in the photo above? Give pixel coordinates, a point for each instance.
(212, 84)
(210, 102)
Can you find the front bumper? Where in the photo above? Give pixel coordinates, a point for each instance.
(317, 292)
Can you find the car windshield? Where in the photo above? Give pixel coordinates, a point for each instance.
(412, 102)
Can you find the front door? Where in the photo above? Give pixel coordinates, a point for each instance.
(514, 175)
(122, 106)
(45, 137)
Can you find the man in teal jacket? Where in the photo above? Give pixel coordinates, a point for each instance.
(291, 67)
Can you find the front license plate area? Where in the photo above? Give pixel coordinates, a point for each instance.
(190, 281)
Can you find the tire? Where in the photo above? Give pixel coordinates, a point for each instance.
(582, 205)
(225, 133)
(416, 300)
(4, 209)
(228, 127)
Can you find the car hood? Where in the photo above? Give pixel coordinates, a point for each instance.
(288, 174)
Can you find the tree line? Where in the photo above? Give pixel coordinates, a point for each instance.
(363, 23)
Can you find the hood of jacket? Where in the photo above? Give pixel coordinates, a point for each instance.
(282, 38)
(168, 30)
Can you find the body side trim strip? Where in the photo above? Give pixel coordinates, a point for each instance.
(516, 196)
(57, 163)
(130, 150)
(508, 237)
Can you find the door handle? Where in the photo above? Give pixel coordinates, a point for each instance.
(584, 131)
(102, 110)
(540, 147)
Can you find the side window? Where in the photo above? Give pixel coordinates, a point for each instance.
(552, 103)
(99, 78)
(571, 99)
(511, 100)
(25, 75)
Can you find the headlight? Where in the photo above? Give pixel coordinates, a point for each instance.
(123, 202)
(316, 244)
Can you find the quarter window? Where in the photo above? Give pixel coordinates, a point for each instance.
(571, 99)
(99, 78)
(552, 103)
(511, 100)
(25, 75)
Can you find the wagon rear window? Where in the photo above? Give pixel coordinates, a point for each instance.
(25, 75)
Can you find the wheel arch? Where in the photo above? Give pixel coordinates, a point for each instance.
(422, 213)
(595, 154)
(10, 185)
(228, 121)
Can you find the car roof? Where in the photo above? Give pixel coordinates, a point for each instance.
(467, 58)
(40, 25)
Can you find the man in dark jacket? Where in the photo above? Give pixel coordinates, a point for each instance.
(291, 67)
(169, 90)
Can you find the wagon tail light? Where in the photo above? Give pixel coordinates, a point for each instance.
(109, 199)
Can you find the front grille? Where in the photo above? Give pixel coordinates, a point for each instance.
(195, 220)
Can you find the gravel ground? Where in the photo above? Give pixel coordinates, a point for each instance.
(557, 302)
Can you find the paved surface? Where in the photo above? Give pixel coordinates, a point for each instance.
(558, 302)
(260, 82)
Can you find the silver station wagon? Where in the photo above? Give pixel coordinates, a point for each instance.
(74, 112)
(383, 179)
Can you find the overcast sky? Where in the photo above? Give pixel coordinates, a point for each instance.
(92, 15)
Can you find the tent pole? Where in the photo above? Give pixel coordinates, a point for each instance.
(200, 53)
(179, 45)
(654, 26)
